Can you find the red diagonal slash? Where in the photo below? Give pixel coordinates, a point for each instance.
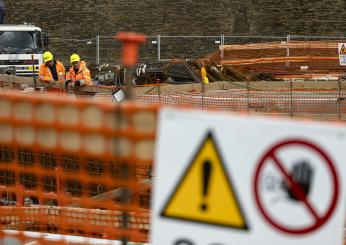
(296, 188)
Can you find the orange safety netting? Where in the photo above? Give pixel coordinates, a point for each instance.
(319, 104)
(80, 167)
(321, 100)
(73, 166)
(284, 59)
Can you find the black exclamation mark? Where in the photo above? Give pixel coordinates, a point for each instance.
(206, 171)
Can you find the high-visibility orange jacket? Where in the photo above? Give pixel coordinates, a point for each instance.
(82, 74)
(45, 75)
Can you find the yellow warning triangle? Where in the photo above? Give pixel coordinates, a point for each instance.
(205, 193)
(343, 49)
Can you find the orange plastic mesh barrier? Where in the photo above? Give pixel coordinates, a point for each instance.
(318, 99)
(319, 104)
(323, 103)
(284, 59)
(73, 166)
(80, 167)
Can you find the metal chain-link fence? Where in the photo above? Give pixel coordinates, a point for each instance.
(108, 50)
(159, 48)
(276, 55)
(63, 48)
(105, 49)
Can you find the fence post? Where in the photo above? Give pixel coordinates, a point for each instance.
(158, 47)
(339, 98)
(98, 50)
(288, 40)
(248, 96)
(291, 99)
(203, 91)
(57, 179)
(158, 89)
(222, 46)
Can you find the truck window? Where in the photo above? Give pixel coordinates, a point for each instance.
(20, 42)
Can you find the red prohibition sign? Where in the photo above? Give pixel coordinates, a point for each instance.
(320, 220)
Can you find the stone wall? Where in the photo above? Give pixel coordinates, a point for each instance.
(77, 19)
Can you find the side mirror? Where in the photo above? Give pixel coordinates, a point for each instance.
(45, 39)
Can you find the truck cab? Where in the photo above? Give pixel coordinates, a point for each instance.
(21, 48)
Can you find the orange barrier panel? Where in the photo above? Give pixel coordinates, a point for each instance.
(81, 167)
(73, 166)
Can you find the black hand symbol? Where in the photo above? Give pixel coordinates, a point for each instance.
(302, 174)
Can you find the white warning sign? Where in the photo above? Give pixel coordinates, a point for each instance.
(234, 179)
(342, 53)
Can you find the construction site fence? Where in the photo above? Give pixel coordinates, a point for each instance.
(320, 104)
(324, 100)
(82, 164)
(74, 167)
(104, 49)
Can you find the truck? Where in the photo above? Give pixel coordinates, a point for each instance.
(21, 48)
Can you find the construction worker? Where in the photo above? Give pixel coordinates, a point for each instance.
(52, 70)
(204, 73)
(79, 74)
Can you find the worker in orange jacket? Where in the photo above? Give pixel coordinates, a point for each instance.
(51, 70)
(79, 74)
(204, 73)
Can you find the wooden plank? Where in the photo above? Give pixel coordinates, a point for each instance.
(117, 193)
(283, 45)
(270, 60)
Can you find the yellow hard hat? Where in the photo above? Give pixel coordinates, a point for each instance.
(47, 56)
(74, 58)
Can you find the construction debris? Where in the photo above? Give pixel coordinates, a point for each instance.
(150, 73)
(107, 75)
(174, 72)
(283, 60)
(181, 71)
(188, 71)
